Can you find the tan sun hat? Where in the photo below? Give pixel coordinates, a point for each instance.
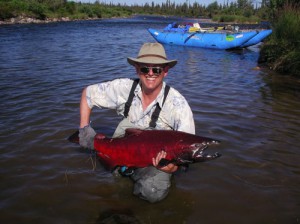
(152, 53)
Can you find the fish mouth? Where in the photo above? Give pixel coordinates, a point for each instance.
(199, 154)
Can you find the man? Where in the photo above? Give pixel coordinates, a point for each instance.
(144, 103)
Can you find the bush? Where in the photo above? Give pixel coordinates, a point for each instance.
(227, 18)
(287, 26)
(236, 19)
(6, 11)
(282, 51)
(38, 10)
(71, 7)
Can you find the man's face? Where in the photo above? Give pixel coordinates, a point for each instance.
(151, 75)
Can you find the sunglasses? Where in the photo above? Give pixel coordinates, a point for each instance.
(155, 70)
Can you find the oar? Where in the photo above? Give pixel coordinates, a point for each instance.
(193, 34)
(189, 37)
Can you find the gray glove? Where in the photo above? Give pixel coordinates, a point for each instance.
(86, 137)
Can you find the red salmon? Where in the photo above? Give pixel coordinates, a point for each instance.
(137, 148)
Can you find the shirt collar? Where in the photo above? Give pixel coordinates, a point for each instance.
(159, 99)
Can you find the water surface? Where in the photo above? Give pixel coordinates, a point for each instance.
(45, 179)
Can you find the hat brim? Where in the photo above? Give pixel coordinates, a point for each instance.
(151, 60)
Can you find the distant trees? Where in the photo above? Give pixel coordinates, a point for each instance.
(238, 11)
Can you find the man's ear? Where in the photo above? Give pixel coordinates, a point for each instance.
(166, 69)
(137, 68)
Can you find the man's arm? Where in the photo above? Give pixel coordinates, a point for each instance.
(86, 132)
(85, 111)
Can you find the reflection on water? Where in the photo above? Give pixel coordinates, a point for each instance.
(45, 179)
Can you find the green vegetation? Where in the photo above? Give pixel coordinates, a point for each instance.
(282, 50)
(239, 11)
(42, 9)
(236, 19)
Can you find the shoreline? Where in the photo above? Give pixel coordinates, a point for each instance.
(31, 20)
(28, 20)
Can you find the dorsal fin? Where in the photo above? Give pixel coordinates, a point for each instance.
(133, 131)
(100, 136)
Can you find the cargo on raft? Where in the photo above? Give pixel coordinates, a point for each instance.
(214, 38)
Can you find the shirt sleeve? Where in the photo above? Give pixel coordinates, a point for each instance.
(183, 118)
(111, 94)
(177, 113)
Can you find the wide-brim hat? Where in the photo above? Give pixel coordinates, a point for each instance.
(152, 53)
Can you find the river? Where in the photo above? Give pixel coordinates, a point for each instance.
(45, 179)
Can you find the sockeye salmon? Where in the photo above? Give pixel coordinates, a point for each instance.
(137, 148)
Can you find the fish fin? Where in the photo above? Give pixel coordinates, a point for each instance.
(74, 138)
(133, 131)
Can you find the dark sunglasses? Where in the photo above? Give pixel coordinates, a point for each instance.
(155, 70)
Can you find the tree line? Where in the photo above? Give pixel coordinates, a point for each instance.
(237, 11)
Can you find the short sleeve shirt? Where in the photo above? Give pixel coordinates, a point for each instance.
(175, 114)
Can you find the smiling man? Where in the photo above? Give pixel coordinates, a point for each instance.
(143, 103)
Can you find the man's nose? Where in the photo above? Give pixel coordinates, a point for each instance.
(150, 71)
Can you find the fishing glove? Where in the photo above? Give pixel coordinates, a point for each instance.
(86, 137)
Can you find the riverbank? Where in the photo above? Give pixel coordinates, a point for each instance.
(281, 52)
(29, 20)
(26, 20)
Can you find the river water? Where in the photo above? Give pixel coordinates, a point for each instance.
(45, 179)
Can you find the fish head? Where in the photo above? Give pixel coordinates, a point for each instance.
(195, 152)
(199, 155)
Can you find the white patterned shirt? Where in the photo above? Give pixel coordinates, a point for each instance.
(175, 114)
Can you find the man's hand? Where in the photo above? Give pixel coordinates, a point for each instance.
(170, 168)
(86, 137)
